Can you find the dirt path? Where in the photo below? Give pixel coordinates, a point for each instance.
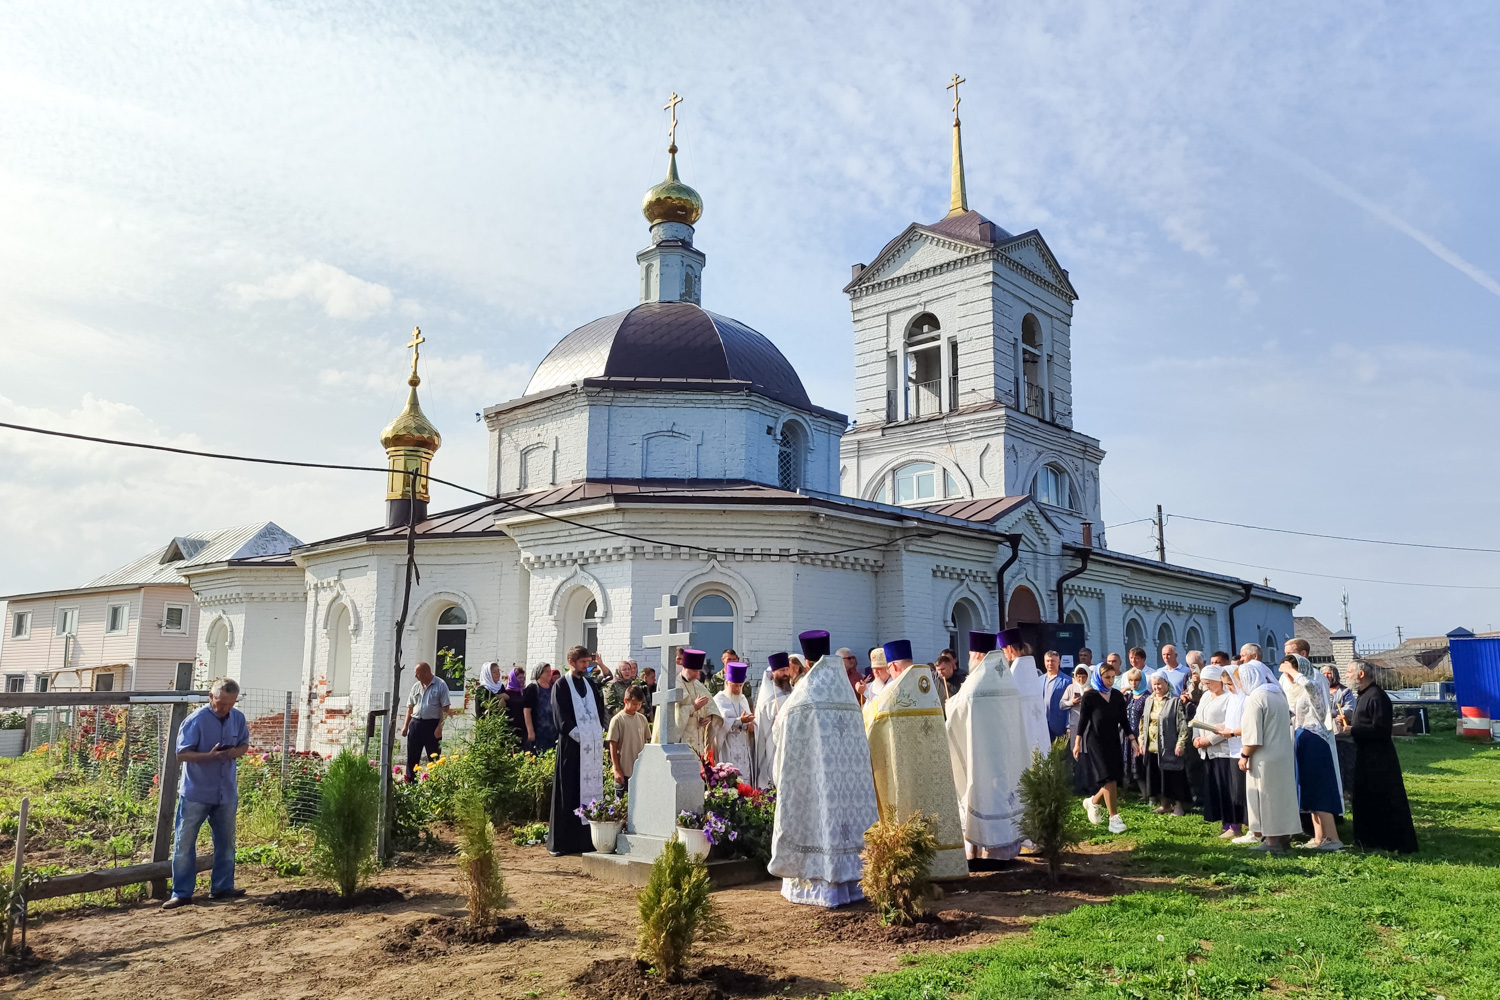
(255, 952)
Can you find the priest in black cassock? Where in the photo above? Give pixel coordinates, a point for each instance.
(578, 712)
(1382, 816)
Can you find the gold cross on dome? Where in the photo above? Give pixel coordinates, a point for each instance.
(954, 87)
(671, 106)
(417, 340)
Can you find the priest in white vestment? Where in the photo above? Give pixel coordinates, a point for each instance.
(1267, 755)
(696, 719)
(775, 689)
(988, 750)
(737, 737)
(1029, 683)
(908, 752)
(825, 796)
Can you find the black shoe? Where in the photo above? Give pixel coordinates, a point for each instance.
(227, 894)
(177, 901)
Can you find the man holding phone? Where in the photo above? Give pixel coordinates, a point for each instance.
(209, 744)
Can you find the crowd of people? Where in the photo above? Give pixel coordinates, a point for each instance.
(1265, 755)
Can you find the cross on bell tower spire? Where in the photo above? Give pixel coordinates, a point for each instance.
(958, 198)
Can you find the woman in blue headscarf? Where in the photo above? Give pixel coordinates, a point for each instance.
(1096, 748)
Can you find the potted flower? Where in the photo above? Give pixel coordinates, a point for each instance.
(605, 817)
(690, 831)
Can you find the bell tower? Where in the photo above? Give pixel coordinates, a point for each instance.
(963, 368)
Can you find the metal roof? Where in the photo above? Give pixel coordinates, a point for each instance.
(677, 345)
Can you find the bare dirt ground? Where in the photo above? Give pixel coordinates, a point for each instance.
(582, 927)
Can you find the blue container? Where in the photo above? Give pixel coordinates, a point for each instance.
(1476, 671)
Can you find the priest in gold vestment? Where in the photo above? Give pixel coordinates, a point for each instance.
(909, 754)
(696, 718)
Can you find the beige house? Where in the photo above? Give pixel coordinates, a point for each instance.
(135, 628)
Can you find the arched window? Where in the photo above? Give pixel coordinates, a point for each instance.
(1194, 638)
(1270, 652)
(1164, 637)
(791, 457)
(922, 329)
(965, 620)
(1135, 637)
(713, 624)
(452, 635)
(916, 482)
(590, 636)
(340, 653)
(1023, 608)
(218, 649)
(1052, 486)
(1073, 617)
(1032, 400)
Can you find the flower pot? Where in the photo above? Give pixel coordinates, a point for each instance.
(605, 834)
(696, 842)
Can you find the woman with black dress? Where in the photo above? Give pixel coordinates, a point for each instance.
(1101, 720)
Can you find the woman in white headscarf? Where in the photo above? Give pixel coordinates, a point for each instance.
(1319, 791)
(1164, 731)
(1267, 755)
(1224, 802)
(491, 695)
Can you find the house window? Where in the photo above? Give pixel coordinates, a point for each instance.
(175, 619)
(67, 621)
(1051, 486)
(713, 624)
(15, 683)
(791, 456)
(104, 682)
(20, 625)
(452, 635)
(43, 682)
(1270, 652)
(917, 481)
(118, 618)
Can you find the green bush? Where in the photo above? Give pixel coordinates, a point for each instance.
(1050, 817)
(675, 907)
(417, 808)
(12, 720)
(280, 860)
(534, 786)
(529, 835)
(348, 815)
(898, 856)
(488, 765)
(484, 889)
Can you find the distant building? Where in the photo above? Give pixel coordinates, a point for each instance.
(1319, 639)
(1416, 661)
(135, 628)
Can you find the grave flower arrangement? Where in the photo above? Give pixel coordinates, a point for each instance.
(737, 818)
(606, 810)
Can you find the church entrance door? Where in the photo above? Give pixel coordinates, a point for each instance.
(1023, 609)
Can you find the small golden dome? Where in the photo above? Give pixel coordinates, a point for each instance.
(411, 428)
(672, 200)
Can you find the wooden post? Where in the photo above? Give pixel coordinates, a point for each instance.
(16, 878)
(166, 805)
(286, 741)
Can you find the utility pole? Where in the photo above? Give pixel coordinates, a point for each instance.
(1399, 640)
(1161, 536)
(1346, 611)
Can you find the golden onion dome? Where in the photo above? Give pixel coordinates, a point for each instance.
(672, 200)
(411, 428)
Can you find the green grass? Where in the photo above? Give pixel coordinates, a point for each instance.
(1230, 924)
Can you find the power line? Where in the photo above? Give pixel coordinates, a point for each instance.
(1329, 576)
(223, 456)
(1337, 538)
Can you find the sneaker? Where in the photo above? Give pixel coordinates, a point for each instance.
(1116, 824)
(177, 901)
(1246, 838)
(1331, 845)
(234, 893)
(1227, 834)
(1267, 848)
(1092, 808)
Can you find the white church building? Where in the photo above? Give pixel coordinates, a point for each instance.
(667, 449)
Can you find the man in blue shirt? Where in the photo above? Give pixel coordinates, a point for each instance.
(1177, 673)
(209, 743)
(1053, 686)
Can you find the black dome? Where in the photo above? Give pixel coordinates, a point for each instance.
(671, 345)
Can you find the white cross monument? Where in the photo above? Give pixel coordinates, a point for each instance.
(667, 779)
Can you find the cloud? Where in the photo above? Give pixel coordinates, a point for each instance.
(1240, 286)
(337, 292)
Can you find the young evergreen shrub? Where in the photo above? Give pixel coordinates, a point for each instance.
(897, 858)
(344, 828)
(1050, 819)
(489, 764)
(484, 888)
(675, 908)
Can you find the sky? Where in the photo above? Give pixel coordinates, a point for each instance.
(219, 223)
